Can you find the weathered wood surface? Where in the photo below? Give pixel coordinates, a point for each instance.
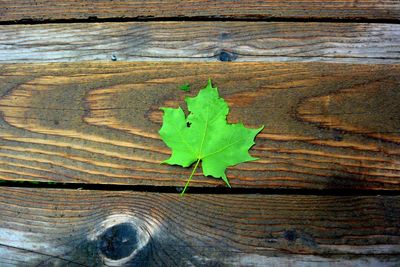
(46, 227)
(14, 10)
(201, 41)
(327, 126)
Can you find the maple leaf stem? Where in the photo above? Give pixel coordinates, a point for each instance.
(190, 177)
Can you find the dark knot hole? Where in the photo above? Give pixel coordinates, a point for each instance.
(119, 241)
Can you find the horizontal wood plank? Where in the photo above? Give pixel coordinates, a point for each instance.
(327, 126)
(14, 10)
(49, 227)
(201, 41)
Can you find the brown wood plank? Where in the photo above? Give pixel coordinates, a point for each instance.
(14, 10)
(47, 227)
(201, 41)
(327, 126)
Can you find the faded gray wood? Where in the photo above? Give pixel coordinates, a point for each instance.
(49, 227)
(201, 41)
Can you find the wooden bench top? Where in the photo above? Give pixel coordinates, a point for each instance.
(81, 86)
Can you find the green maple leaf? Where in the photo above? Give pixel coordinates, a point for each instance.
(206, 136)
(185, 87)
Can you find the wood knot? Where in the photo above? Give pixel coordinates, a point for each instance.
(290, 235)
(226, 56)
(118, 241)
(123, 238)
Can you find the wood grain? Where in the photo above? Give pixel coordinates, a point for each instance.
(14, 10)
(47, 227)
(201, 41)
(327, 126)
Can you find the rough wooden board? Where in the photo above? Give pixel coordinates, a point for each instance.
(201, 41)
(204, 230)
(327, 126)
(11, 10)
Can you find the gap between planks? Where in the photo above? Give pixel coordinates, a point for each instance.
(196, 190)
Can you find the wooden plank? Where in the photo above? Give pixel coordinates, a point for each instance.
(327, 126)
(201, 41)
(14, 10)
(47, 227)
